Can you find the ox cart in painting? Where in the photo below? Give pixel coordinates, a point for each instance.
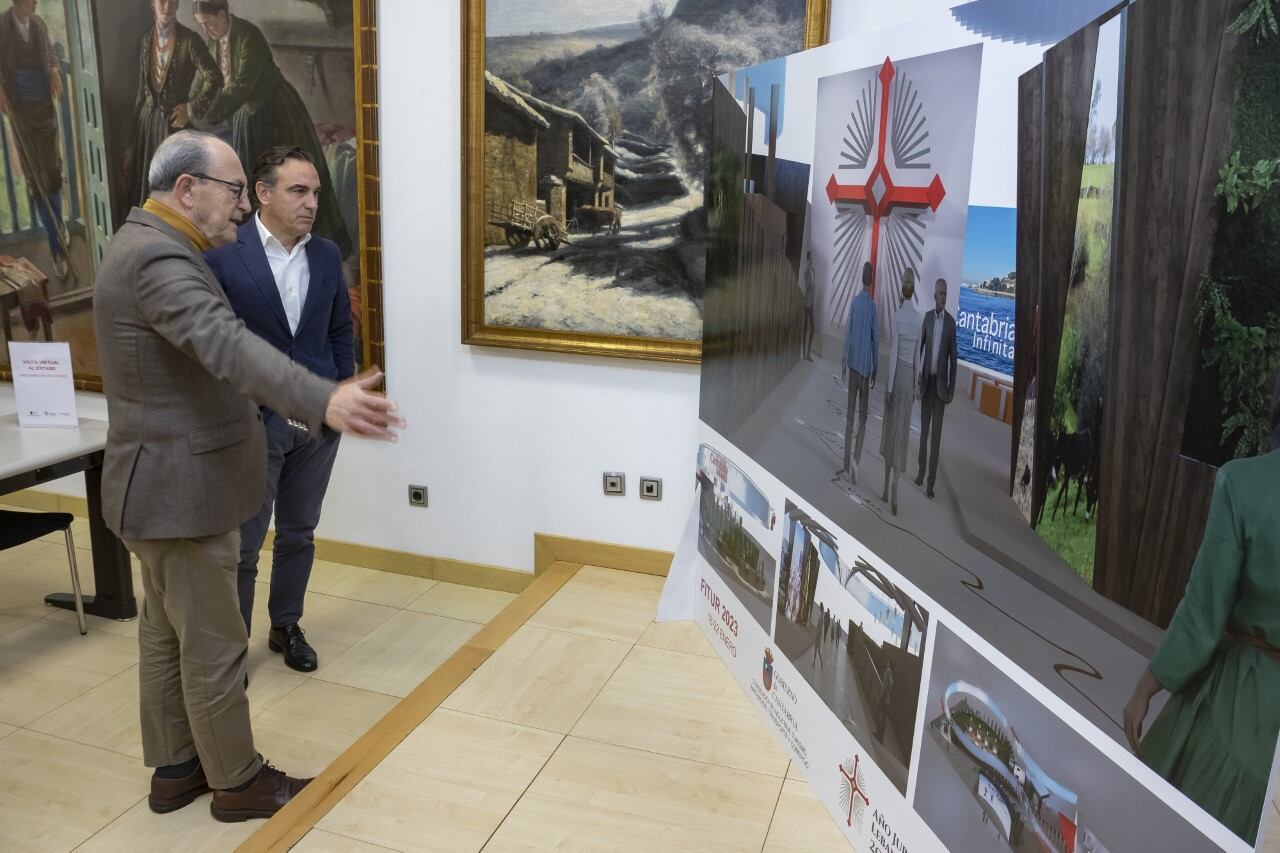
(523, 221)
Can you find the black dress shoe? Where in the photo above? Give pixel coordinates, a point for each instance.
(292, 643)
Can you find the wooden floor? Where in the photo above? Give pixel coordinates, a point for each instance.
(592, 728)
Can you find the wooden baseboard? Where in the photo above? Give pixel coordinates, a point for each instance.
(382, 559)
(46, 502)
(297, 818)
(419, 565)
(548, 549)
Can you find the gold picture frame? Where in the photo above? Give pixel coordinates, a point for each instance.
(364, 29)
(474, 328)
(369, 185)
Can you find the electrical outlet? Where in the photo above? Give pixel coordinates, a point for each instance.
(615, 483)
(417, 496)
(650, 488)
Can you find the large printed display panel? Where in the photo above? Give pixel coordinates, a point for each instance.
(998, 615)
(913, 731)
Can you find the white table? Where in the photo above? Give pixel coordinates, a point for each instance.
(29, 457)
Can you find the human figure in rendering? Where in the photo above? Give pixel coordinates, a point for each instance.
(858, 366)
(177, 81)
(902, 388)
(937, 380)
(1220, 659)
(287, 285)
(820, 617)
(264, 108)
(30, 88)
(810, 298)
(884, 700)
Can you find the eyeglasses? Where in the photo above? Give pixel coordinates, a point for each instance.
(238, 189)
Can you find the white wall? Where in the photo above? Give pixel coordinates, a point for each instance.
(509, 443)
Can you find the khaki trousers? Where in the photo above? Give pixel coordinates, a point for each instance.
(192, 651)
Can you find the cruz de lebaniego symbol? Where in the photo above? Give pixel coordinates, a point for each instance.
(873, 202)
(853, 787)
(767, 676)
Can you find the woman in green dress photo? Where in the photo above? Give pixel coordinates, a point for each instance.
(1220, 660)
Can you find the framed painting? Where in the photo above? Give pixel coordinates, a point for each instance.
(110, 79)
(584, 156)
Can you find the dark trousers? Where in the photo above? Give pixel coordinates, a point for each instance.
(35, 127)
(859, 389)
(298, 471)
(932, 408)
(49, 209)
(806, 334)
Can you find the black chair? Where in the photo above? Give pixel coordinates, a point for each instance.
(18, 528)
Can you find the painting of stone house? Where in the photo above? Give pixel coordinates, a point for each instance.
(610, 106)
(511, 130)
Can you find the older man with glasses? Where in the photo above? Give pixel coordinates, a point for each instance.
(185, 467)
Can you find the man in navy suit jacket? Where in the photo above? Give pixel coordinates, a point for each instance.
(286, 284)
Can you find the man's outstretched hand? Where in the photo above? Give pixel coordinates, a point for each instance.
(354, 407)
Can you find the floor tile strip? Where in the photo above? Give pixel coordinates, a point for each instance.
(296, 819)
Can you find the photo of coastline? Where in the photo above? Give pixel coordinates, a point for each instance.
(984, 325)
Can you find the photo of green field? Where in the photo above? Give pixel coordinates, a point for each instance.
(1068, 519)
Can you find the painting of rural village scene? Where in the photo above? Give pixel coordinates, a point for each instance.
(596, 114)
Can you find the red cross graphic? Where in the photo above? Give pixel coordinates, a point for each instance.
(880, 195)
(854, 789)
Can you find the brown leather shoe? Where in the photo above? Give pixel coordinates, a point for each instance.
(169, 795)
(268, 793)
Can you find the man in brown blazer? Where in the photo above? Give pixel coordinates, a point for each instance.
(185, 467)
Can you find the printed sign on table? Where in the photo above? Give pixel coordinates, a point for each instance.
(43, 384)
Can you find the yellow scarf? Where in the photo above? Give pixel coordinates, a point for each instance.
(183, 225)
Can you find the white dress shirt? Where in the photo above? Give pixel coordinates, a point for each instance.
(937, 341)
(290, 270)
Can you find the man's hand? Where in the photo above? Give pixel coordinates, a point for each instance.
(355, 408)
(55, 82)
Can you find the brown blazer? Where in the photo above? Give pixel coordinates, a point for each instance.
(186, 454)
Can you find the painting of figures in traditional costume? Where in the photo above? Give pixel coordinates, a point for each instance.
(91, 88)
(45, 240)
